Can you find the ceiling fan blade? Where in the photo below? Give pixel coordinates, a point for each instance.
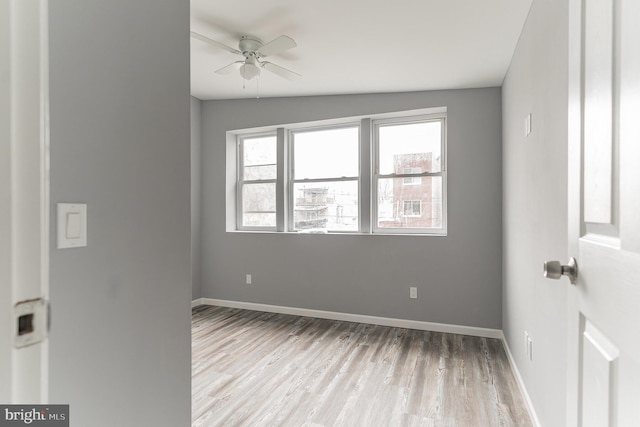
(281, 71)
(228, 69)
(276, 46)
(214, 43)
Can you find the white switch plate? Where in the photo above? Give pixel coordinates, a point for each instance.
(413, 293)
(527, 125)
(248, 279)
(72, 225)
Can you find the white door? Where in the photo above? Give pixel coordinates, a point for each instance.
(604, 213)
(24, 201)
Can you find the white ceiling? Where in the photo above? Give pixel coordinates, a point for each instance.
(358, 46)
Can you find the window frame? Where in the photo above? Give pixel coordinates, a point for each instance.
(241, 182)
(292, 180)
(377, 176)
(367, 181)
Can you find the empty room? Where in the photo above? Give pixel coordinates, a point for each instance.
(280, 213)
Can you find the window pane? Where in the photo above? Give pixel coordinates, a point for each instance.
(329, 206)
(410, 148)
(329, 153)
(260, 172)
(259, 158)
(259, 205)
(410, 206)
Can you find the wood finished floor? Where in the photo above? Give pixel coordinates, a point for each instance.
(262, 369)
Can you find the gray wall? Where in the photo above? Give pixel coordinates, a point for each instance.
(535, 206)
(458, 276)
(196, 156)
(120, 337)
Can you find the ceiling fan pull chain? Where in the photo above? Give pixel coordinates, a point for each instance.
(258, 88)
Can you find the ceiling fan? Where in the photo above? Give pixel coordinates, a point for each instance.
(253, 51)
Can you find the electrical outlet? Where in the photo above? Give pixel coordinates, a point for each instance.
(248, 279)
(413, 293)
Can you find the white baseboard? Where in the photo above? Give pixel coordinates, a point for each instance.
(358, 318)
(196, 302)
(523, 390)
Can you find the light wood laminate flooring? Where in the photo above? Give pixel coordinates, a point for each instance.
(253, 368)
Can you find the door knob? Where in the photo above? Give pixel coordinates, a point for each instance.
(555, 270)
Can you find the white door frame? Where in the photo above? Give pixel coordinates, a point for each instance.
(24, 191)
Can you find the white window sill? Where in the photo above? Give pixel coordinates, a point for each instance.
(336, 233)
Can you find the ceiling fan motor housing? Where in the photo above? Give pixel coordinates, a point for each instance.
(249, 45)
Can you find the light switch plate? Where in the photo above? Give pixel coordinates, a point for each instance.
(72, 225)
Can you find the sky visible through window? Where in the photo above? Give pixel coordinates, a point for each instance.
(331, 153)
(409, 138)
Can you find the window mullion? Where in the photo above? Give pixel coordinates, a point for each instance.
(239, 183)
(375, 174)
(281, 187)
(289, 171)
(365, 193)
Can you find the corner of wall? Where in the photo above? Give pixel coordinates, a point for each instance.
(196, 186)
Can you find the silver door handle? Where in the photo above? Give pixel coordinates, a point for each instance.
(555, 270)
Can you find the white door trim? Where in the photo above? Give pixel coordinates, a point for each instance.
(24, 191)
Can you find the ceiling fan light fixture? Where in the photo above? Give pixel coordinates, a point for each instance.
(249, 70)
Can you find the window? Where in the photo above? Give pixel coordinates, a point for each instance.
(383, 174)
(325, 179)
(412, 208)
(257, 177)
(409, 178)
